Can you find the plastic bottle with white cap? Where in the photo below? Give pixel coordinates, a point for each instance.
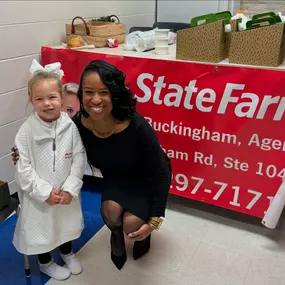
(240, 15)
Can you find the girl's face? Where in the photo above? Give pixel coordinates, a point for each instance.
(70, 104)
(47, 100)
(96, 97)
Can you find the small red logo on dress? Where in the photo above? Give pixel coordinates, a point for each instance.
(68, 155)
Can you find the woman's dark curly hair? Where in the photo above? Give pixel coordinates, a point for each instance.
(124, 105)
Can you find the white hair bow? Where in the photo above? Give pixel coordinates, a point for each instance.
(53, 67)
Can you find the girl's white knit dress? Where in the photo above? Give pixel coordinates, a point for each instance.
(52, 156)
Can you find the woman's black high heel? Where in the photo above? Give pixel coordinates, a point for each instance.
(141, 248)
(119, 256)
(119, 261)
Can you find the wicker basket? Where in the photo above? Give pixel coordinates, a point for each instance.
(96, 33)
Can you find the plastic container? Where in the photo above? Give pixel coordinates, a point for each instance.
(162, 50)
(228, 28)
(161, 41)
(242, 24)
(282, 17)
(161, 33)
(238, 15)
(129, 47)
(137, 38)
(144, 44)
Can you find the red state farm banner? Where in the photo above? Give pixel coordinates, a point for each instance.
(223, 127)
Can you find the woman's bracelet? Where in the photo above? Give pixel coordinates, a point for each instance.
(155, 222)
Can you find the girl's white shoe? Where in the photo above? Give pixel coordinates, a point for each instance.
(55, 271)
(72, 263)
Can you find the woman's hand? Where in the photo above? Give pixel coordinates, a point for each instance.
(15, 155)
(143, 232)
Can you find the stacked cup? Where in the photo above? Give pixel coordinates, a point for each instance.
(161, 41)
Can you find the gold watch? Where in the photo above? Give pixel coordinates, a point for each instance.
(155, 222)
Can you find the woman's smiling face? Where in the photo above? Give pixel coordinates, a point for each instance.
(96, 97)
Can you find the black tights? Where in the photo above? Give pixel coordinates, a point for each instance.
(119, 221)
(65, 248)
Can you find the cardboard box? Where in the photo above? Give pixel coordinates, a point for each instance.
(262, 46)
(204, 43)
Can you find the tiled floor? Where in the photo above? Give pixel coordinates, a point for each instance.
(198, 245)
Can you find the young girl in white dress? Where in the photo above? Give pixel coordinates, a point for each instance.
(49, 173)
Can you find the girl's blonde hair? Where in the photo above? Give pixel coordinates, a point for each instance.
(44, 75)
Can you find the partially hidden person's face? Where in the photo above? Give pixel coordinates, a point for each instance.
(96, 97)
(47, 100)
(70, 104)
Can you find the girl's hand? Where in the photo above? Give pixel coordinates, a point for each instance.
(54, 198)
(143, 232)
(65, 198)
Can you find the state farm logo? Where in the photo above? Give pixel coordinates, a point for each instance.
(234, 98)
(68, 155)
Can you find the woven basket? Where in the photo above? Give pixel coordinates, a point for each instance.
(96, 33)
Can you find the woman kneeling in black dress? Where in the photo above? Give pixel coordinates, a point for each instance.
(119, 141)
